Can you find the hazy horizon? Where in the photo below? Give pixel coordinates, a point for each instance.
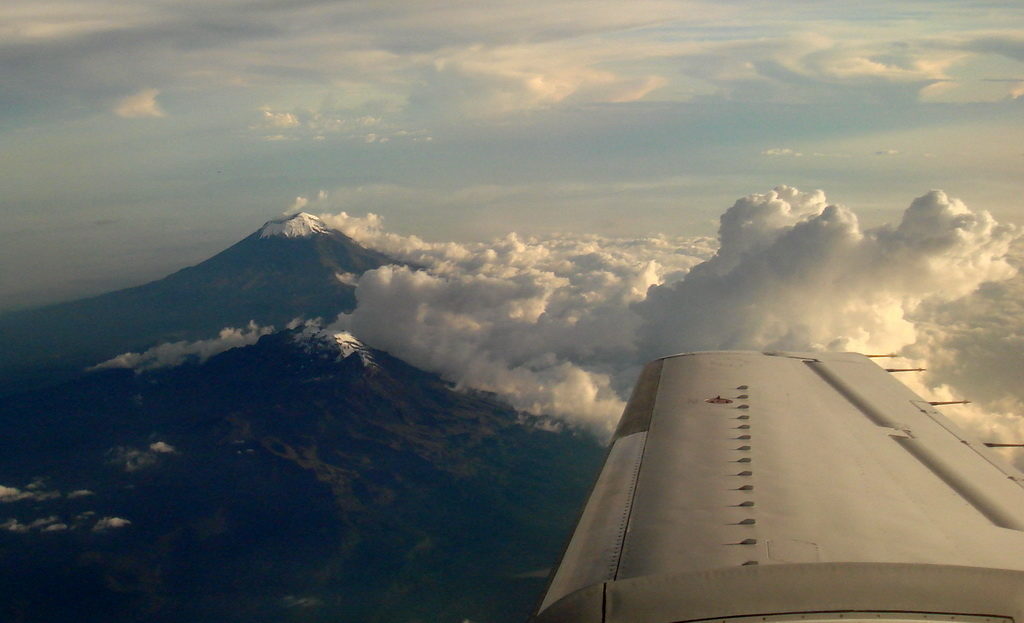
(871, 155)
(142, 138)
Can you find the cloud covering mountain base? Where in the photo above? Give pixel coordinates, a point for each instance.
(561, 324)
(546, 322)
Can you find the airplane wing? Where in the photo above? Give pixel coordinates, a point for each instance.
(791, 486)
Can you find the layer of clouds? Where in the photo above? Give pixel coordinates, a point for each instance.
(560, 325)
(521, 94)
(482, 211)
(493, 58)
(328, 121)
(134, 459)
(781, 151)
(49, 524)
(38, 491)
(514, 316)
(172, 354)
(974, 348)
(53, 524)
(978, 342)
(35, 491)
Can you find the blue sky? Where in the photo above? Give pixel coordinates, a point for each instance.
(136, 138)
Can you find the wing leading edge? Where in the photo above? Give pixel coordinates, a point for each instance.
(746, 484)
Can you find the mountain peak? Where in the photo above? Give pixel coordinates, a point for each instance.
(301, 225)
(339, 345)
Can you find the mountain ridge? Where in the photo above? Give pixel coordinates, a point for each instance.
(267, 279)
(282, 480)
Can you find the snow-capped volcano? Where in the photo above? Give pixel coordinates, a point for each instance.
(337, 345)
(299, 225)
(349, 344)
(288, 268)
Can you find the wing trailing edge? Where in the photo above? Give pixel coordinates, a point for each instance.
(750, 484)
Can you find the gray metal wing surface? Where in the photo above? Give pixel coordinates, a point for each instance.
(791, 485)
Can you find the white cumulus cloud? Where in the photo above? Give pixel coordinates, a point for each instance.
(543, 322)
(795, 272)
(12, 494)
(162, 447)
(35, 493)
(560, 325)
(134, 459)
(273, 119)
(13, 525)
(139, 105)
(110, 523)
(43, 524)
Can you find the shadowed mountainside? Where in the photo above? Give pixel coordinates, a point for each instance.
(280, 481)
(268, 279)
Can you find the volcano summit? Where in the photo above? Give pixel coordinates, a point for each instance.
(294, 267)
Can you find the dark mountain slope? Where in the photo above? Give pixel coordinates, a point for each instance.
(270, 277)
(283, 481)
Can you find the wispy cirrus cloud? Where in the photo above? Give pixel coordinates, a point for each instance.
(493, 58)
(781, 151)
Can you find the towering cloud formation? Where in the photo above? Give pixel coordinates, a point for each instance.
(794, 272)
(561, 325)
